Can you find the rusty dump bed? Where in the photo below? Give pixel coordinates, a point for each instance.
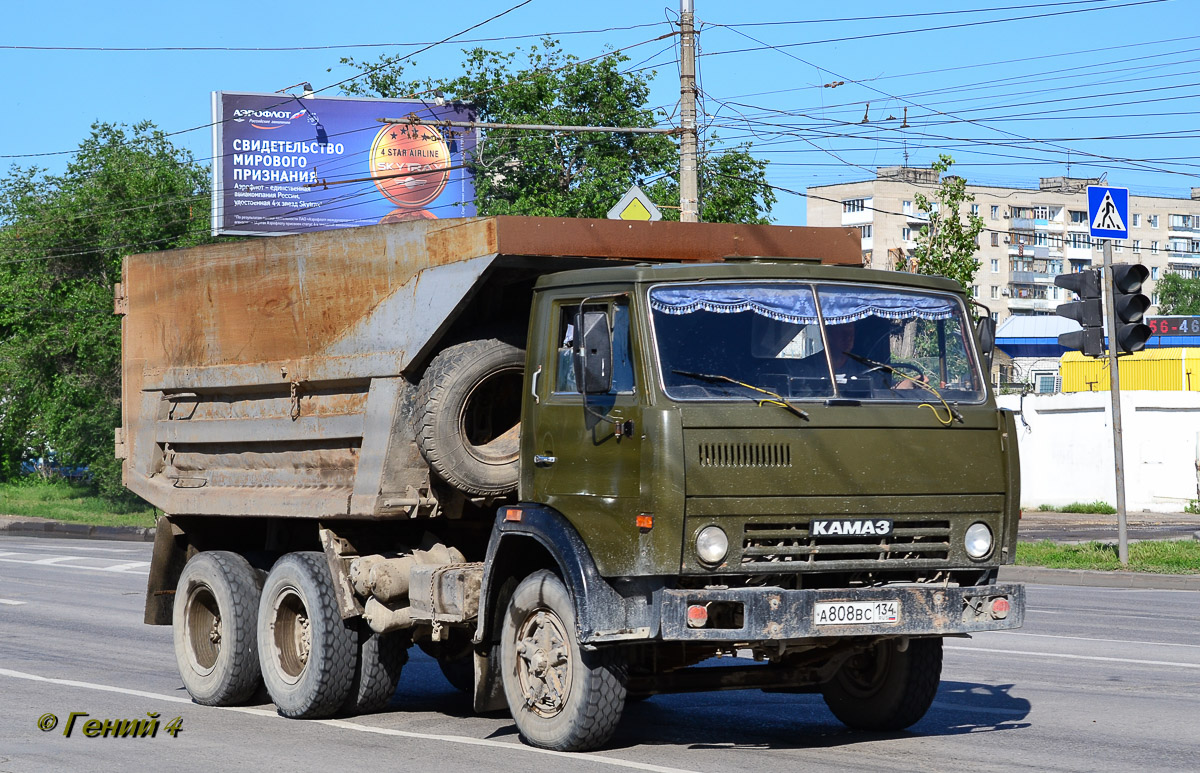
(272, 377)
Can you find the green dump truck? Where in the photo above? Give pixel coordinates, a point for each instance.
(570, 460)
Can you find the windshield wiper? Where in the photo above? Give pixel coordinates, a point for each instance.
(776, 399)
(950, 410)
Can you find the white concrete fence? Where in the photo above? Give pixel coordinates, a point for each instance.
(1067, 448)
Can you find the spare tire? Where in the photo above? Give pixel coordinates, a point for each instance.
(469, 416)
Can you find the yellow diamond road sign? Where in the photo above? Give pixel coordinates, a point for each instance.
(634, 205)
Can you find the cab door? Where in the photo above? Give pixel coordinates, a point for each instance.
(586, 463)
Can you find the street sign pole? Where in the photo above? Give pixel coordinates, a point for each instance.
(1115, 390)
(1108, 216)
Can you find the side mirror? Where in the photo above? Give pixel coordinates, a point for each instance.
(593, 353)
(986, 329)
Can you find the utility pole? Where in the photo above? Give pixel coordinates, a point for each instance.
(689, 197)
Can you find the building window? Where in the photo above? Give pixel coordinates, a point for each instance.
(1118, 246)
(1153, 299)
(995, 291)
(1153, 220)
(1045, 382)
(906, 234)
(995, 212)
(1154, 272)
(1080, 241)
(866, 231)
(1078, 217)
(1153, 248)
(907, 207)
(854, 205)
(974, 291)
(974, 209)
(1180, 221)
(995, 239)
(995, 266)
(1137, 246)
(1137, 220)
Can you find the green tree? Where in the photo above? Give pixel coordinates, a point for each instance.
(947, 245)
(62, 237)
(565, 174)
(1178, 295)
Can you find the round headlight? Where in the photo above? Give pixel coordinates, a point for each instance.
(978, 540)
(712, 544)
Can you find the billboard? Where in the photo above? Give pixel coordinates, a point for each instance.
(284, 164)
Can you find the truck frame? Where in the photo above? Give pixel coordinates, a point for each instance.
(570, 459)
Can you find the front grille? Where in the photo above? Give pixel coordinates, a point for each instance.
(745, 455)
(910, 540)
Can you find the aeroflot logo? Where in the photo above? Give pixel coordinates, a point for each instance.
(267, 119)
(850, 527)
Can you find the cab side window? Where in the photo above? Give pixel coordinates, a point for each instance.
(622, 349)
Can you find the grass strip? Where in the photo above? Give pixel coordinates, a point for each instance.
(62, 500)
(1151, 556)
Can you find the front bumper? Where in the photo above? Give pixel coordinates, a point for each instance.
(776, 614)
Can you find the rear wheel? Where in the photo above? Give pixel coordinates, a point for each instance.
(213, 621)
(560, 697)
(886, 688)
(308, 653)
(381, 656)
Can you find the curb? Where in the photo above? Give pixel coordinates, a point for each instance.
(39, 527)
(1093, 579)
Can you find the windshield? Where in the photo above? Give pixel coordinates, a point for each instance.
(812, 341)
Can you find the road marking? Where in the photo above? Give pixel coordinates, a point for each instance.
(142, 567)
(1091, 638)
(12, 603)
(57, 548)
(1065, 656)
(126, 567)
(516, 746)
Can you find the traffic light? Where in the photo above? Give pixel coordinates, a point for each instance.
(1130, 305)
(1086, 311)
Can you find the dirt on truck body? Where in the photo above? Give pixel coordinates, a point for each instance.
(570, 459)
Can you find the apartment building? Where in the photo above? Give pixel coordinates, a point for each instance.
(1030, 234)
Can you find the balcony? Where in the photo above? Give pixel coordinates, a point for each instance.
(1022, 223)
(1031, 277)
(858, 218)
(1032, 304)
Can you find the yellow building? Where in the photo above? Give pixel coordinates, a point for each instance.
(1168, 370)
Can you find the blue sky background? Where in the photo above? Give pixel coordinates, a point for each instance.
(1106, 85)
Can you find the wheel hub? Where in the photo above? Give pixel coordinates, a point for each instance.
(544, 667)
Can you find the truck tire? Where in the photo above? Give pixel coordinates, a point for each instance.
(307, 651)
(884, 688)
(561, 697)
(213, 622)
(469, 416)
(381, 657)
(455, 657)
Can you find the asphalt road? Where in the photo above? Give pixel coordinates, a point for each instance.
(1098, 680)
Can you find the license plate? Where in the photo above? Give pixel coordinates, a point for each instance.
(856, 612)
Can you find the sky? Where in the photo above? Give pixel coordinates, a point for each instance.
(1012, 90)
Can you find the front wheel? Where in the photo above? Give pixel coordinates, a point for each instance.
(561, 698)
(887, 687)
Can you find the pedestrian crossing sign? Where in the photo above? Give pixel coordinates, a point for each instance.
(1108, 212)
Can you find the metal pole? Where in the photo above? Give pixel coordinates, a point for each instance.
(1115, 391)
(689, 197)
